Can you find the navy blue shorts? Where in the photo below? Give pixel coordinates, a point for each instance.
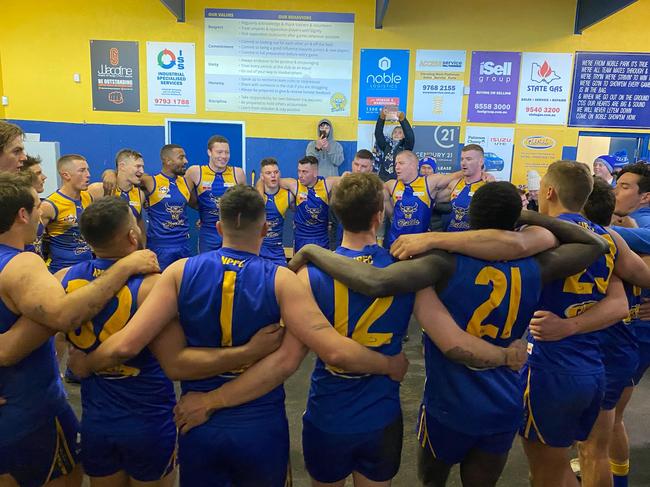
(144, 456)
(618, 376)
(644, 361)
(560, 408)
(168, 255)
(330, 457)
(44, 455)
(209, 242)
(246, 455)
(301, 242)
(451, 446)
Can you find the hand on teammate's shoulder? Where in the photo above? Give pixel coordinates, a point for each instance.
(141, 262)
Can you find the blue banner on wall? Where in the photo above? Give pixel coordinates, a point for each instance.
(611, 90)
(383, 81)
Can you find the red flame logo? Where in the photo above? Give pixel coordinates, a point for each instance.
(114, 56)
(544, 70)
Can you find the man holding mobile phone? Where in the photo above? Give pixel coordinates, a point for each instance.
(326, 149)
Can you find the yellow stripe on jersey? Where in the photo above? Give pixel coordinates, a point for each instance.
(461, 184)
(66, 212)
(319, 188)
(419, 186)
(208, 175)
(135, 198)
(227, 303)
(341, 303)
(161, 189)
(282, 201)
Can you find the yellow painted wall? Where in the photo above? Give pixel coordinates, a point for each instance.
(2, 108)
(42, 43)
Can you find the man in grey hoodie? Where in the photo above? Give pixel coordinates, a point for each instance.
(326, 149)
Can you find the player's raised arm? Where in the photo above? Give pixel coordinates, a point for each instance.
(96, 191)
(458, 345)
(289, 184)
(401, 277)
(39, 296)
(240, 175)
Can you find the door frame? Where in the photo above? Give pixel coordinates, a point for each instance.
(645, 137)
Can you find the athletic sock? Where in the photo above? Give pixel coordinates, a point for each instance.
(620, 472)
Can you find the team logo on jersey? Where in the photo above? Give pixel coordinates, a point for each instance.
(408, 210)
(632, 315)
(578, 308)
(459, 213)
(81, 246)
(70, 219)
(215, 200)
(176, 214)
(274, 228)
(119, 372)
(314, 214)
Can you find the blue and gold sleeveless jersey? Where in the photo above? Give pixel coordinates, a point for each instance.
(276, 207)
(411, 209)
(66, 245)
(37, 245)
(130, 397)
(32, 387)
(312, 214)
(577, 354)
(342, 402)
(167, 205)
(134, 198)
(460, 198)
(494, 301)
(225, 297)
(618, 343)
(211, 187)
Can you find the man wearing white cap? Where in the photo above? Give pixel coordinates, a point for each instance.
(604, 168)
(533, 182)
